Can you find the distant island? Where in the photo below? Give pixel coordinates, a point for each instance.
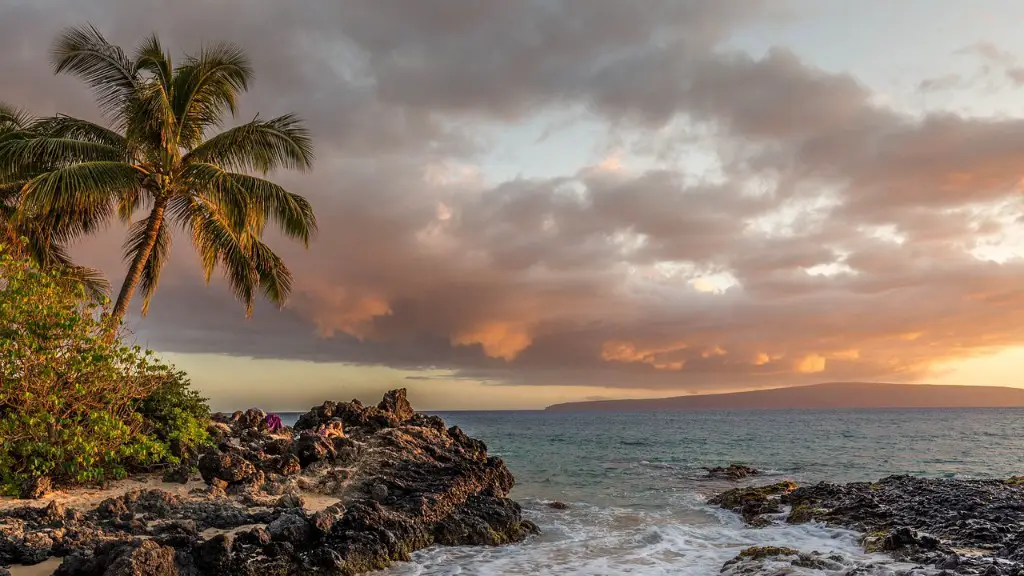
(827, 395)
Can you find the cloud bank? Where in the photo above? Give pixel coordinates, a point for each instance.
(741, 218)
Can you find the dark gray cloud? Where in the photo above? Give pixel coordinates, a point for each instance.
(838, 228)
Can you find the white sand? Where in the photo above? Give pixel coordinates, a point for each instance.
(86, 498)
(317, 502)
(44, 569)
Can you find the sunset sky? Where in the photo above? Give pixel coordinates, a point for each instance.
(536, 201)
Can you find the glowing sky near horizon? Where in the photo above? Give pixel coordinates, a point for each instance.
(552, 200)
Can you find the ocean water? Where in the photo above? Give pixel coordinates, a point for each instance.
(637, 490)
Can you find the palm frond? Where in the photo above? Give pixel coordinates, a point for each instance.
(292, 213)
(131, 202)
(206, 223)
(212, 184)
(151, 58)
(205, 87)
(33, 155)
(250, 200)
(247, 262)
(151, 123)
(219, 244)
(96, 284)
(84, 52)
(13, 118)
(69, 127)
(275, 277)
(45, 242)
(135, 243)
(88, 187)
(65, 226)
(259, 146)
(152, 110)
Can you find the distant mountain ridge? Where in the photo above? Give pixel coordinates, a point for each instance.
(819, 396)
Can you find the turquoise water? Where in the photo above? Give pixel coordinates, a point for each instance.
(637, 490)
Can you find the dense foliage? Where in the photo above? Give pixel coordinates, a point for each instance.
(75, 405)
(177, 415)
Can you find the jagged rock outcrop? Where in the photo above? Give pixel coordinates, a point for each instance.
(402, 481)
(949, 526)
(732, 472)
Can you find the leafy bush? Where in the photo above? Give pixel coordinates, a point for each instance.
(177, 416)
(70, 396)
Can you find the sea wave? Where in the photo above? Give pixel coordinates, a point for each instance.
(690, 539)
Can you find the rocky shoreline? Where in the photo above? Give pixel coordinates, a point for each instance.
(394, 481)
(935, 526)
(353, 488)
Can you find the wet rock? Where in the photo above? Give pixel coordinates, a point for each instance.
(485, 521)
(762, 560)
(558, 505)
(802, 514)
(36, 487)
(904, 537)
(732, 472)
(759, 552)
(752, 502)
(917, 520)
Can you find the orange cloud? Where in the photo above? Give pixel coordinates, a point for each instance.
(627, 352)
(713, 351)
(355, 317)
(498, 339)
(811, 364)
(334, 309)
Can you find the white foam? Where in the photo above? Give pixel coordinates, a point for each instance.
(692, 539)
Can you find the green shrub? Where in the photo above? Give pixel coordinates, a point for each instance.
(75, 405)
(177, 416)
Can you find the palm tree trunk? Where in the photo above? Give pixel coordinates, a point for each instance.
(131, 281)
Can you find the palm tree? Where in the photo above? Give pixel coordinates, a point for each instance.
(158, 156)
(42, 237)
